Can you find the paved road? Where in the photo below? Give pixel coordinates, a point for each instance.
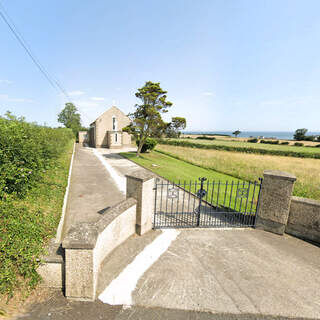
(231, 271)
(58, 308)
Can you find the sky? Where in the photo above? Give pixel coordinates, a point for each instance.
(229, 64)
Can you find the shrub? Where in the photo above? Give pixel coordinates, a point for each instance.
(25, 151)
(205, 138)
(149, 145)
(285, 143)
(298, 144)
(318, 146)
(270, 141)
(253, 140)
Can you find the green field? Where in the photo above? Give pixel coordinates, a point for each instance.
(241, 146)
(250, 167)
(224, 191)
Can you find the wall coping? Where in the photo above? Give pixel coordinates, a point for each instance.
(85, 235)
(280, 175)
(311, 202)
(141, 175)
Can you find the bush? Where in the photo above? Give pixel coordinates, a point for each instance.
(298, 144)
(270, 141)
(285, 143)
(205, 138)
(25, 151)
(253, 140)
(318, 146)
(149, 145)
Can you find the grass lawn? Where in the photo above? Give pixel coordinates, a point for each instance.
(229, 145)
(223, 193)
(250, 167)
(173, 169)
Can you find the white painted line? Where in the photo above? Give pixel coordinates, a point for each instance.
(65, 200)
(120, 180)
(120, 289)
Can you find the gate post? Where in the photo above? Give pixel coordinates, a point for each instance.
(140, 186)
(274, 202)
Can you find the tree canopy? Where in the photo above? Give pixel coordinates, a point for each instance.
(236, 133)
(70, 117)
(300, 134)
(173, 128)
(146, 119)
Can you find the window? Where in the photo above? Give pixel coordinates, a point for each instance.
(114, 123)
(116, 137)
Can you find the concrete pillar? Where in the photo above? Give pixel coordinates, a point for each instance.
(140, 187)
(79, 246)
(275, 199)
(79, 274)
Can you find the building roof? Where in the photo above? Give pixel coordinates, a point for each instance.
(113, 107)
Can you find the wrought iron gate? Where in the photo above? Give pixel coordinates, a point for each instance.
(202, 203)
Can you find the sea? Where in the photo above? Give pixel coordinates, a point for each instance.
(283, 135)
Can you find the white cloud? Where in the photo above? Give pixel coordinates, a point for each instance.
(97, 98)
(5, 81)
(208, 94)
(5, 97)
(76, 93)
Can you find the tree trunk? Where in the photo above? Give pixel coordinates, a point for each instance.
(140, 147)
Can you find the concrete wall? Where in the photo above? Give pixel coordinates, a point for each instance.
(126, 139)
(279, 212)
(83, 137)
(304, 219)
(87, 245)
(104, 124)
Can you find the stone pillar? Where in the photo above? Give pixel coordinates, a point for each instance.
(274, 203)
(79, 274)
(140, 187)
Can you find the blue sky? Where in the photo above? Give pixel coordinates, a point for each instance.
(252, 65)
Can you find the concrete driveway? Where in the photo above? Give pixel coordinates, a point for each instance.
(231, 271)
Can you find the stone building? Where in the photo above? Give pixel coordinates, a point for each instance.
(106, 130)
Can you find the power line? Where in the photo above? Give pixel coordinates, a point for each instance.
(53, 82)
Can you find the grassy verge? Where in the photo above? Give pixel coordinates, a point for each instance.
(250, 167)
(27, 224)
(241, 146)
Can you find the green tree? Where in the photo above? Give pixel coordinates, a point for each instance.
(174, 127)
(70, 117)
(300, 134)
(236, 133)
(146, 119)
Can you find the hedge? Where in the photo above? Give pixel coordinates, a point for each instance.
(288, 153)
(26, 150)
(32, 185)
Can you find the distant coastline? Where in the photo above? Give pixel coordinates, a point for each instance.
(283, 135)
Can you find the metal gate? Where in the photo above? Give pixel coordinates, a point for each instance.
(205, 204)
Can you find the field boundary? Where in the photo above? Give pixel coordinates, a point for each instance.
(188, 144)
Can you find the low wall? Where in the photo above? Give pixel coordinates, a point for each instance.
(304, 219)
(87, 245)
